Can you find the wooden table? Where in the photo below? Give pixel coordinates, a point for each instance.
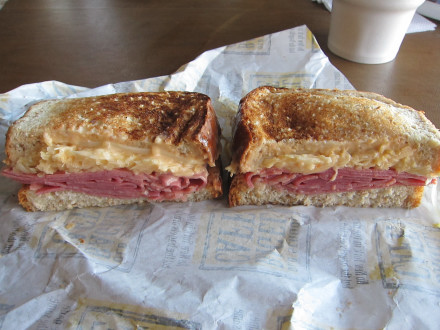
(93, 43)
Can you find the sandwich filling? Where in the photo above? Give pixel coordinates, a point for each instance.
(72, 153)
(310, 157)
(118, 183)
(332, 181)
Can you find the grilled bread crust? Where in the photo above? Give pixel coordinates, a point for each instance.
(185, 120)
(270, 115)
(65, 200)
(261, 194)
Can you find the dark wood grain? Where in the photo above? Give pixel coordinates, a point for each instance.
(92, 43)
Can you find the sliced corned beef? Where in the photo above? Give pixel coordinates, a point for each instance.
(119, 183)
(342, 180)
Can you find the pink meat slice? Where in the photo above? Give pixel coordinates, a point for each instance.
(119, 183)
(342, 180)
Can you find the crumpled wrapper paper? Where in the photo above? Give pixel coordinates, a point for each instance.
(205, 265)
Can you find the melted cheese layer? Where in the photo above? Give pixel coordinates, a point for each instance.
(108, 155)
(315, 157)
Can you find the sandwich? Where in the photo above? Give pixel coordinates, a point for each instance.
(330, 147)
(115, 149)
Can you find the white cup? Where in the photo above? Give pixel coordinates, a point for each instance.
(369, 31)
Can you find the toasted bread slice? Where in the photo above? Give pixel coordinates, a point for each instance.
(261, 194)
(144, 132)
(312, 130)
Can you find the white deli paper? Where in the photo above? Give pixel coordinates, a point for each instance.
(205, 265)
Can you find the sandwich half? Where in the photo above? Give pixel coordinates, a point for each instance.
(330, 147)
(115, 149)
